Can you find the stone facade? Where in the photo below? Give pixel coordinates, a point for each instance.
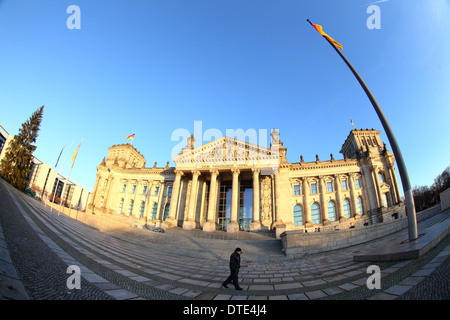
(232, 185)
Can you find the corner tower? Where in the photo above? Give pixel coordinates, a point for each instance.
(125, 156)
(362, 141)
(377, 166)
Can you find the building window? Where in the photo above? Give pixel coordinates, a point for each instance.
(133, 190)
(166, 212)
(315, 213)
(144, 191)
(169, 192)
(330, 186)
(347, 211)
(120, 206)
(124, 188)
(360, 204)
(141, 209)
(296, 190)
(102, 198)
(130, 208)
(331, 211)
(344, 185)
(313, 188)
(358, 183)
(156, 191)
(381, 177)
(298, 215)
(154, 210)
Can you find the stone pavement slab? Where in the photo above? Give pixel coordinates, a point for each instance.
(397, 247)
(135, 264)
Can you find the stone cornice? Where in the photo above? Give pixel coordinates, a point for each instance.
(321, 164)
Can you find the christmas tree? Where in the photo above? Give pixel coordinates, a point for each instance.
(16, 165)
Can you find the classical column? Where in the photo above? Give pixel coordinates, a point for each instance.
(161, 207)
(340, 210)
(278, 224)
(203, 214)
(306, 207)
(233, 225)
(171, 222)
(277, 199)
(94, 194)
(107, 192)
(394, 183)
(256, 223)
(147, 204)
(351, 180)
(189, 222)
(323, 203)
(374, 174)
(210, 224)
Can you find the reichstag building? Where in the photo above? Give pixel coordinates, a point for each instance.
(232, 185)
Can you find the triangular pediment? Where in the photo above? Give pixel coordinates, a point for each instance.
(226, 150)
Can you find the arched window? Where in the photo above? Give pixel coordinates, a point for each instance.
(315, 213)
(166, 212)
(381, 177)
(130, 208)
(154, 210)
(141, 209)
(347, 211)
(331, 211)
(298, 215)
(360, 204)
(119, 211)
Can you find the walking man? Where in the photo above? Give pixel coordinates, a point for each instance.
(235, 264)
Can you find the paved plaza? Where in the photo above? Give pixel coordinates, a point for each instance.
(37, 246)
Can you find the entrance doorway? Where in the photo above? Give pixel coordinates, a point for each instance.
(245, 214)
(245, 205)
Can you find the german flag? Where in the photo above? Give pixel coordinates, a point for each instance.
(131, 136)
(320, 30)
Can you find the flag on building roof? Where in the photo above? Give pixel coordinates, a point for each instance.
(131, 136)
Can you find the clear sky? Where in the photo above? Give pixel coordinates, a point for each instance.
(154, 67)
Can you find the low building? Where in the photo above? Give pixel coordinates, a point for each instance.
(232, 185)
(48, 183)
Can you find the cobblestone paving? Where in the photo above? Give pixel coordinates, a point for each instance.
(140, 264)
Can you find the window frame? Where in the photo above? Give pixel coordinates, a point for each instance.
(315, 213)
(347, 208)
(334, 209)
(314, 190)
(297, 191)
(298, 218)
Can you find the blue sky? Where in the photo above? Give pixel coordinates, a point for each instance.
(152, 67)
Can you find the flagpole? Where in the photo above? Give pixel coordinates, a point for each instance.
(409, 199)
(62, 194)
(56, 188)
(56, 168)
(68, 177)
